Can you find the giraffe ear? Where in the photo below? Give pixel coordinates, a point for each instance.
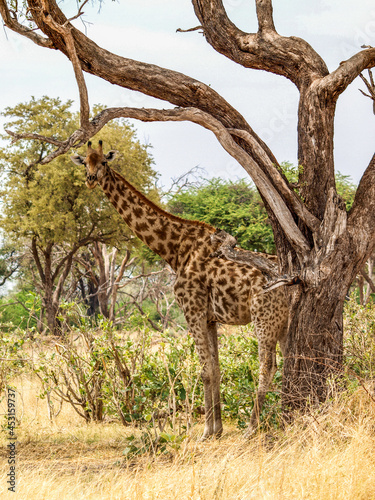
(77, 159)
(111, 155)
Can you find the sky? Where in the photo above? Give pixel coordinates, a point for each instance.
(145, 30)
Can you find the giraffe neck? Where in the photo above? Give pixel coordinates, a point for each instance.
(167, 235)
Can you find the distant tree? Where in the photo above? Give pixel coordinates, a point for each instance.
(50, 211)
(234, 206)
(9, 262)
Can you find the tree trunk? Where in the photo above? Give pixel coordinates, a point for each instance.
(92, 301)
(315, 346)
(99, 251)
(51, 309)
(315, 339)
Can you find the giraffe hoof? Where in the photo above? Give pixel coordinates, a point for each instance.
(218, 433)
(205, 437)
(250, 432)
(211, 435)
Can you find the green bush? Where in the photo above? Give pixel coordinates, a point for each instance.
(152, 380)
(359, 339)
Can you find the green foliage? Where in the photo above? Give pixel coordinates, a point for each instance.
(344, 185)
(234, 206)
(239, 365)
(151, 385)
(11, 354)
(19, 310)
(346, 189)
(359, 339)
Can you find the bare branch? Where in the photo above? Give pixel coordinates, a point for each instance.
(79, 13)
(370, 86)
(83, 94)
(336, 82)
(35, 253)
(179, 30)
(368, 279)
(146, 275)
(291, 57)
(267, 265)
(65, 31)
(12, 23)
(265, 15)
(77, 139)
(310, 220)
(183, 181)
(140, 309)
(35, 137)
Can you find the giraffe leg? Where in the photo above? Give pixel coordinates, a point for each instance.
(270, 320)
(207, 374)
(267, 369)
(205, 336)
(283, 339)
(214, 351)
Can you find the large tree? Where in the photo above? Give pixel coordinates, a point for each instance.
(316, 238)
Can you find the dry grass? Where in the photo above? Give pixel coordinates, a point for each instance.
(324, 457)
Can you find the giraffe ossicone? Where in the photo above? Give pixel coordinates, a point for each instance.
(209, 289)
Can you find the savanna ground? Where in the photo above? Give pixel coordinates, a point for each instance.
(328, 454)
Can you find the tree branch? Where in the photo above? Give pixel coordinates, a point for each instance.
(12, 23)
(267, 265)
(368, 279)
(283, 186)
(65, 31)
(179, 30)
(266, 50)
(35, 137)
(265, 15)
(336, 82)
(362, 214)
(35, 253)
(370, 86)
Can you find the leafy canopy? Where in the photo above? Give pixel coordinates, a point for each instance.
(234, 206)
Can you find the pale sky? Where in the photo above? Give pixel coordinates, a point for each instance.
(146, 30)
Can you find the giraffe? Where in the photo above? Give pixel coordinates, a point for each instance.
(209, 289)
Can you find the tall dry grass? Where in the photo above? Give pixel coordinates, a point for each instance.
(324, 456)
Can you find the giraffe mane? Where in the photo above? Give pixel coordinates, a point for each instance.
(158, 209)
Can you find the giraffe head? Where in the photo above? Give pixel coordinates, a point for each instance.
(95, 162)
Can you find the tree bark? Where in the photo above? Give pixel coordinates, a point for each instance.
(315, 348)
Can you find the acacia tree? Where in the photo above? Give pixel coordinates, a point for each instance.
(316, 238)
(48, 210)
